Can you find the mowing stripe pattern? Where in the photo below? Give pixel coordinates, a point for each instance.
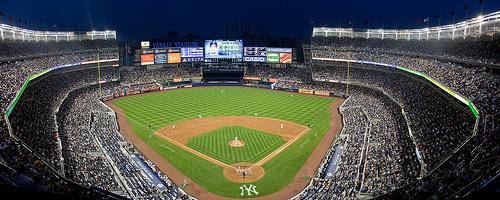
(215, 144)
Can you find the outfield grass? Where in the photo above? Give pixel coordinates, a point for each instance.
(161, 109)
(215, 144)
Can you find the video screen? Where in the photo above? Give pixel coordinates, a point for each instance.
(227, 50)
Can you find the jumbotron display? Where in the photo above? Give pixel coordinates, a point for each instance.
(223, 50)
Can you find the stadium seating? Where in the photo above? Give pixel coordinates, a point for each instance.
(397, 128)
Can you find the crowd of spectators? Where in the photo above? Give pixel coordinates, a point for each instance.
(473, 82)
(140, 76)
(455, 173)
(378, 155)
(397, 127)
(471, 50)
(22, 50)
(90, 149)
(439, 126)
(285, 74)
(28, 167)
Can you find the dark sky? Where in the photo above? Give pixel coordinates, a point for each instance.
(144, 19)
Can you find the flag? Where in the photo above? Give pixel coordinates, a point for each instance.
(466, 7)
(481, 1)
(426, 19)
(437, 16)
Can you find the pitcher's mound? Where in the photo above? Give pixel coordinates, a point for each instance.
(244, 172)
(236, 143)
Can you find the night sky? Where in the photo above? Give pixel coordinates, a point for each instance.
(145, 19)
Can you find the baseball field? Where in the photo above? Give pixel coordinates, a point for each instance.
(209, 134)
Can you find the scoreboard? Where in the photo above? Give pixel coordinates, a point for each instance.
(216, 51)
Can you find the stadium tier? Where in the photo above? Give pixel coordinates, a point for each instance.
(363, 117)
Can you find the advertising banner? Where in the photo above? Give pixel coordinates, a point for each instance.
(192, 54)
(321, 93)
(273, 57)
(174, 58)
(286, 58)
(147, 59)
(273, 80)
(282, 50)
(306, 91)
(252, 78)
(145, 44)
(255, 54)
(174, 50)
(254, 59)
(160, 56)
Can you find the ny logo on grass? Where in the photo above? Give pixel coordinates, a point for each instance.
(250, 189)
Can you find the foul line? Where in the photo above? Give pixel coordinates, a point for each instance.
(274, 153)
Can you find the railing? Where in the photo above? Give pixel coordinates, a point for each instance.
(475, 27)
(12, 33)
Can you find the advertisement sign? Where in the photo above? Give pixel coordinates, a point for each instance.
(306, 91)
(174, 57)
(273, 57)
(192, 54)
(160, 56)
(216, 50)
(254, 59)
(321, 93)
(173, 50)
(286, 58)
(145, 44)
(255, 54)
(273, 80)
(188, 60)
(147, 51)
(282, 50)
(147, 59)
(254, 78)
